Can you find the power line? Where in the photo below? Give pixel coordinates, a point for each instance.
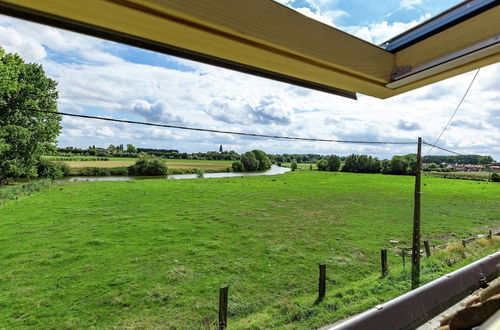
(212, 130)
(453, 115)
(435, 146)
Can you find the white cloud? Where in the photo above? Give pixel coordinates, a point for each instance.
(94, 77)
(379, 32)
(410, 4)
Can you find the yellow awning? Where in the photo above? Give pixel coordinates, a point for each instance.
(265, 38)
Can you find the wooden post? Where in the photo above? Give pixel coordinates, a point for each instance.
(427, 248)
(415, 252)
(322, 282)
(383, 262)
(464, 243)
(404, 257)
(223, 293)
(490, 235)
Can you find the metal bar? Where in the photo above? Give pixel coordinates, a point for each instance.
(441, 22)
(422, 304)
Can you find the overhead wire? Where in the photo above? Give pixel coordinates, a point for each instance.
(434, 145)
(126, 121)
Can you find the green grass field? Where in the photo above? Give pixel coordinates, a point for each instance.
(305, 167)
(478, 176)
(78, 162)
(153, 253)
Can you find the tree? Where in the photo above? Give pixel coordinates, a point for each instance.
(25, 135)
(238, 166)
(294, 166)
(333, 163)
(149, 166)
(264, 162)
(131, 149)
(250, 162)
(322, 165)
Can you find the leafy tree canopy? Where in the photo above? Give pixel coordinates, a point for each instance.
(25, 136)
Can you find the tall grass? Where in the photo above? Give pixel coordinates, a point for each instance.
(15, 191)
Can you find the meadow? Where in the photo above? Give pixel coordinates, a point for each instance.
(153, 253)
(477, 176)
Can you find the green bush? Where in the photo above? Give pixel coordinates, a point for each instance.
(53, 170)
(495, 177)
(333, 162)
(238, 166)
(264, 162)
(250, 162)
(100, 171)
(322, 165)
(294, 166)
(149, 166)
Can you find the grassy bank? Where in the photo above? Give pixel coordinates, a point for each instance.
(79, 163)
(304, 167)
(123, 171)
(154, 253)
(16, 190)
(476, 176)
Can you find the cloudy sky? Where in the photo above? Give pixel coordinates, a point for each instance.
(98, 77)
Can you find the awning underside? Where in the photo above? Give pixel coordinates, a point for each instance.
(264, 38)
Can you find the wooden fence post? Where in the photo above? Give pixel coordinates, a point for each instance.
(223, 293)
(383, 261)
(415, 247)
(322, 282)
(490, 235)
(403, 253)
(427, 248)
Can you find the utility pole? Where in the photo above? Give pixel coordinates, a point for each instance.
(415, 255)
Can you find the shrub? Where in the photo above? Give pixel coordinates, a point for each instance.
(495, 177)
(264, 162)
(333, 162)
(361, 164)
(237, 166)
(322, 165)
(294, 166)
(149, 166)
(52, 170)
(250, 162)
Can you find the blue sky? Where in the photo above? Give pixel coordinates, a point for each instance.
(98, 77)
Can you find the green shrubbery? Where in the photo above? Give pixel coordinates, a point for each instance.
(52, 170)
(149, 166)
(495, 177)
(100, 171)
(17, 190)
(361, 164)
(251, 161)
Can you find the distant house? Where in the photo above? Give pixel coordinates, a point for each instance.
(469, 168)
(495, 168)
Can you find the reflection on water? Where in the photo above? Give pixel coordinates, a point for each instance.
(274, 170)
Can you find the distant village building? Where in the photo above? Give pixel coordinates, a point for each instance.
(469, 168)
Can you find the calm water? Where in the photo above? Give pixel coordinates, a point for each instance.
(274, 170)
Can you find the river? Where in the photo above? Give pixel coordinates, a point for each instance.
(274, 170)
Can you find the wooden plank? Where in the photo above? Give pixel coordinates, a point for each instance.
(322, 282)
(168, 30)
